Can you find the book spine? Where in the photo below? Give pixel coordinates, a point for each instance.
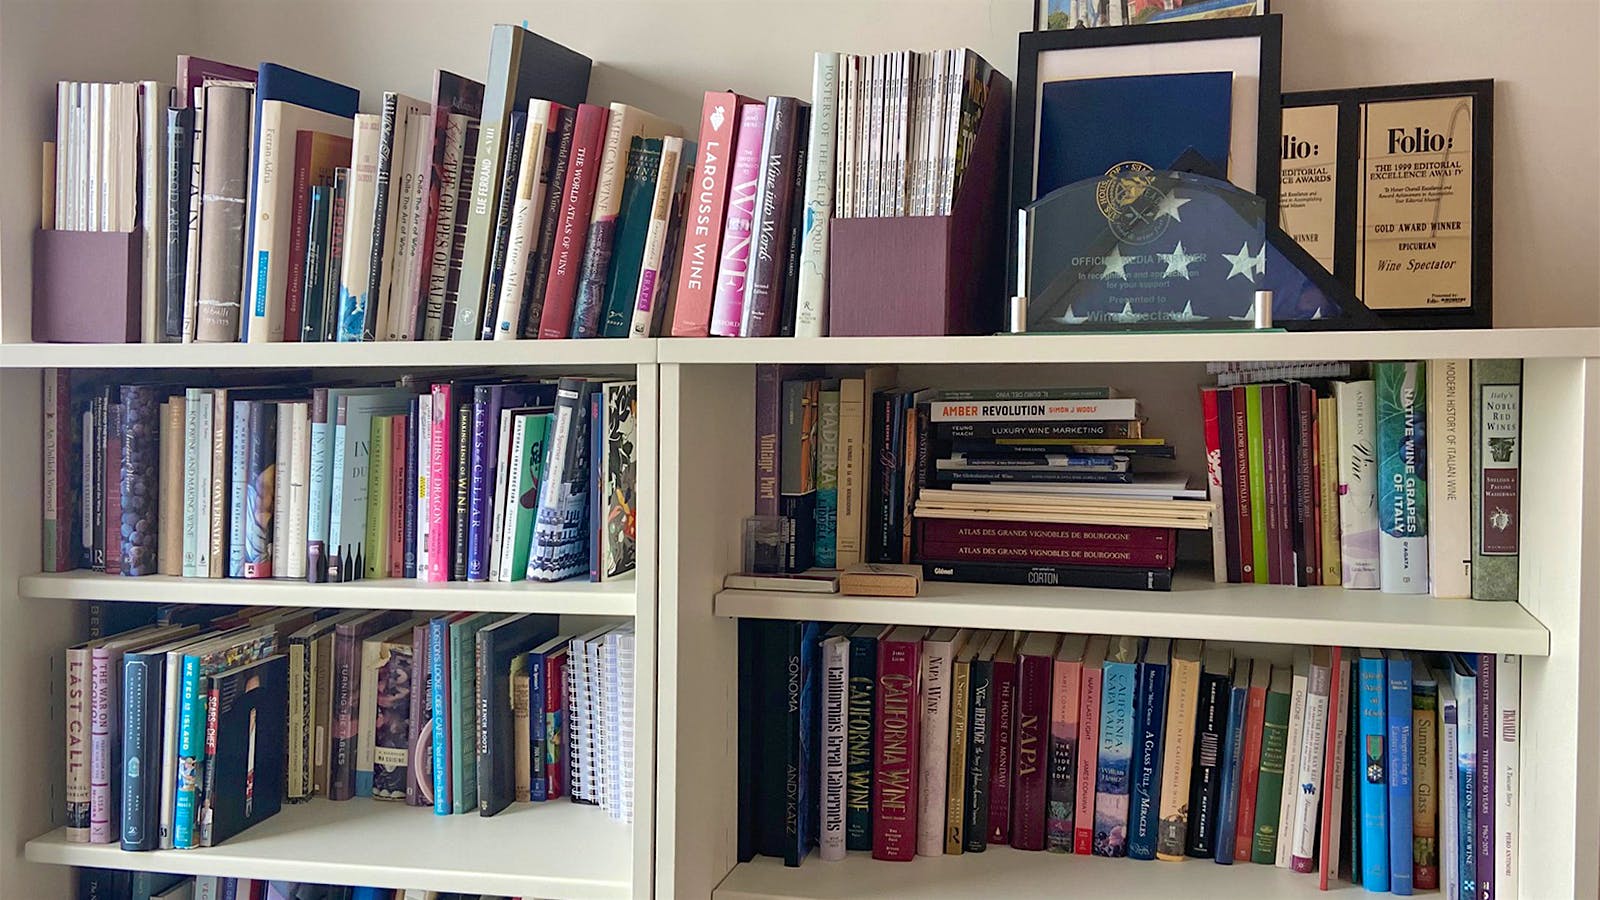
(180, 162)
(1238, 515)
(444, 211)
(835, 689)
(1300, 684)
(1487, 746)
(1307, 540)
(1228, 801)
(346, 687)
(1258, 405)
(1061, 789)
(861, 753)
(1269, 782)
(218, 550)
(1334, 765)
(289, 555)
(1114, 766)
(140, 748)
(1358, 486)
(338, 215)
(499, 100)
(708, 205)
(505, 210)
(1450, 455)
(953, 816)
(108, 536)
(1124, 578)
(1328, 438)
(1425, 783)
(385, 216)
(1250, 771)
(404, 556)
(100, 697)
(312, 285)
(980, 706)
(1205, 784)
(1144, 813)
(665, 217)
(140, 482)
(224, 189)
(78, 744)
(439, 692)
(1089, 412)
(1397, 769)
(894, 824)
(440, 477)
(485, 431)
(1314, 738)
(1032, 429)
(790, 228)
(1077, 555)
(1002, 733)
(1088, 762)
(734, 265)
(58, 475)
(559, 153)
(1507, 772)
(769, 418)
(561, 535)
(191, 733)
(1374, 792)
(1032, 752)
(260, 478)
(1495, 458)
(933, 751)
(238, 480)
(538, 736)
(556, 726)
(812, 312)
(419, 722)
(1449, 800)
(355, 273)
(461, 456)
(1221, 541)
(526, 203)
(1402, 477)
(483, 724)
(572, 231)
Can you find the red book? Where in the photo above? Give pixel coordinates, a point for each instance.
(1151, 558)
(1003, 723)
(399, 434)
(555, 704)
(1038, 534)
(1255, 716)
(708, 207)
(1227, 506)
(1094, 657)
(896, 737)
(572, 228)
(1037, 660)
(1333, 763)
(1240, 501)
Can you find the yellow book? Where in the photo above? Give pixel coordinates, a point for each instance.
(956, 773)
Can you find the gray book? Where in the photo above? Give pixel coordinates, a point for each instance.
(1496, 478)
(224, 186)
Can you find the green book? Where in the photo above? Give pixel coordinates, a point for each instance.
(1269, 790)
(464, 709)
(376, 562)
(627, 248)
(526, 472)
(1258, 484)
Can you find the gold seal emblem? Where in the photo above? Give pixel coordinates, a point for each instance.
(1129, 199)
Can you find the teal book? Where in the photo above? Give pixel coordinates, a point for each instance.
(1398, 678)
(464, 708)
(1374, 761)
(529, 467)
(1114, 771)
(633, 224)
(827, 516)
(1402, 400)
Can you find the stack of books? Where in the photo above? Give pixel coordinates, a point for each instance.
(189, 729)
(1044, 486)
(475, 478)
(1370, 766)
(1405, 481)
(883, 135)
(120, 884)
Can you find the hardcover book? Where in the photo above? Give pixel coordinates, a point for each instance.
(1211, 731)
(1425, 781)
(1228, 806)
(1496, 460)
(387, 674)
(1397, 674)
(1288, 801)
(456, 100)
(1269, 783)
(980, 705)
(1375, 765)
(252, 710)
(1250, 758)
(1035, 665)
(139, 493)
(1402, 414)
(1061, 787)
(1114, 770)
(643, 169)
(1312, 749)
(497, 645)
(1358, 482)
(1178, 751)
(939, 649)
(572, 228)
(1094, 658)
(558, 545)
(953, 816)
(835, 691)
(708, 206)
(733, 265)
(774, 199)
(1150, 708)
(1002, 735)
(344, 745)
(895, 775)
(1463, 678)
(1450, 464)
(861, 751)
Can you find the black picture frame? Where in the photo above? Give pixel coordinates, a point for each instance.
(1349, 101)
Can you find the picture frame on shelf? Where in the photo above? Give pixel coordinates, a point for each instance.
(1373, 184)
(1060, 15)
(1211, 87)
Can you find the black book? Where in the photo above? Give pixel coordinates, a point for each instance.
(779, 649)
(249, 761)
(389, 165)
(775, 196)
(1211, 731)
(337, 208)
(498, 644)
(144, 675)
(860, 749)
(797, 470)
(880, 493)
(797, 215)
(980, 706)
(180, 159)
(1010, 429)
(557, 155)
(101, 409)
(104, 884)
(315, 287)
(1119, 577)
(749, 759)
(516, 132)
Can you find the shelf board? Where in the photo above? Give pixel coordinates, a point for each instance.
(1530, 343)
(555, 849)
(1004, 872)
(606, 598)
(411, 355)
(1195, 608)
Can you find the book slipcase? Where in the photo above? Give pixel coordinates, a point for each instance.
(930, 275)
(86, 286)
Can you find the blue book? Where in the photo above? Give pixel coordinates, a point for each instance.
(487, 402)
(438, 670)
(238, 474)
(560, 528)
(1232, 748)
(1463, 677)
(539, 731)
(1374, 727)
(1398, 678)
(1145, 815)
(1114, 770)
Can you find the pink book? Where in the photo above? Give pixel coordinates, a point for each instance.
(1088, 743)
(100, 747)
(708, 206)
(1002, 728)
(441, 484)
(1060, 789)
(727, 309)
(894, 783)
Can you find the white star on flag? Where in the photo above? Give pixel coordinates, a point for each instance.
(1241, 263)
(1168, 206)
(1261, 259)
(1115, 264)
(1178, 262)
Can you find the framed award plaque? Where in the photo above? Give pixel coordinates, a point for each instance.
(1391, 189)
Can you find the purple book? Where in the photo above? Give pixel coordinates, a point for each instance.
(769, 423)
(347, 638)
(487, 402)
(1484, 820)
(727, 310)
(141, 422)
(597, 475)
(409, 566)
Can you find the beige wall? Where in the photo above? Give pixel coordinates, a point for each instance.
(662, 54)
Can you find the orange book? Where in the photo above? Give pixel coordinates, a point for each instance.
(1255, 715)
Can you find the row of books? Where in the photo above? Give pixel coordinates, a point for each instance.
(96, 154)
(186, 731)
(467, 479)
(121, 884)
(883, 135)
(1406, 481)
(1395, 770)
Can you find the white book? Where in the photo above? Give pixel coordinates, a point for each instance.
(502, 476)
(272, 213)
(64, 94)
(1449, 789)
(202, 487)
(526, 212)
(208, 887)
(811, 312)
(152, 206)
(443, 238)
(651, 296)
(626, 652)
(505, 538)
(1449, 478)
(938, 654)
(95, 157)
(424, 454)
(283, 455)
(1033, 410)
(842, 135)
(405, 110)
(1293, 746)
(835, 702)
(1314, 742)
(410, 291)
(1507, 769)
(356, 266)
(169, 745)
(1358, 483)
(290, 556)
(1403, 420)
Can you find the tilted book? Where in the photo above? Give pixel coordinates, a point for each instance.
(1358, 482)
(1094, 658)
(455, 100)
(572, 221)
(708, 205)
(1314, 744)
(643, 168)
(1402, 414)
(1496, 462)
(360, 206)
(1299, 686)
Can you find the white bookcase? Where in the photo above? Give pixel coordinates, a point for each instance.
(696, 464)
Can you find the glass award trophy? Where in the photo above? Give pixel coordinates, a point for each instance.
(1148, 249)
